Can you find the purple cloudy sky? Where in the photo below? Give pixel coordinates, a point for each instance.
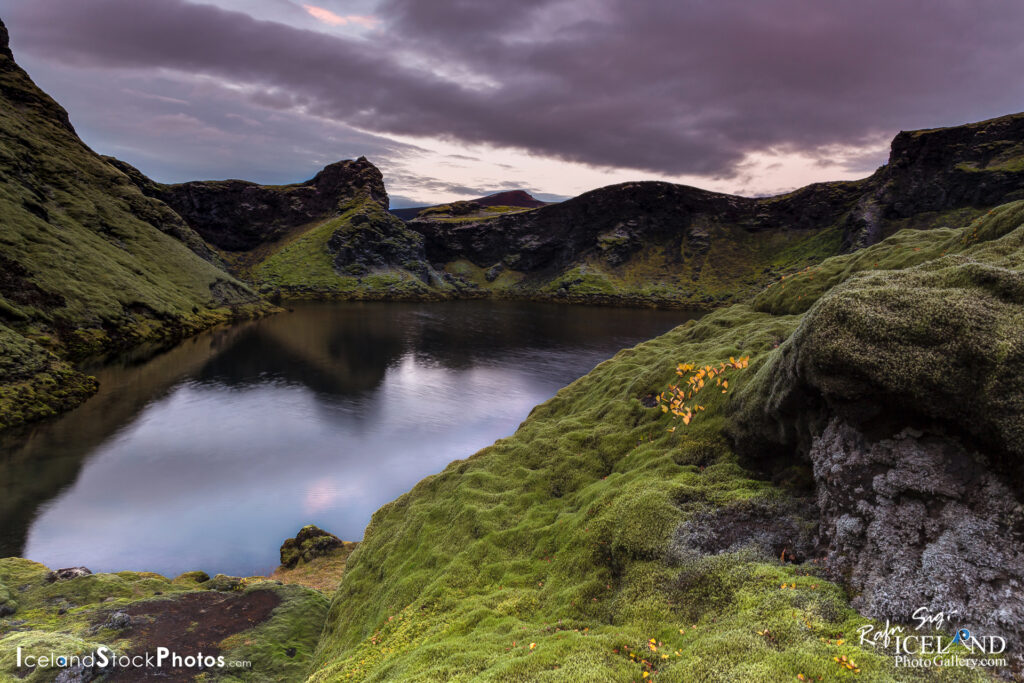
(454, 98)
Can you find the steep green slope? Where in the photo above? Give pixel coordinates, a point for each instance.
(87, 263)
(561, 552)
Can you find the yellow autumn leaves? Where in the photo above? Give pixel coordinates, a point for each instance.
(679, 398)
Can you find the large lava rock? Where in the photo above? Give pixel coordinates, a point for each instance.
(904, 392)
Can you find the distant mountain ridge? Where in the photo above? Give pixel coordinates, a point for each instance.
(518, 198)
(646, 243)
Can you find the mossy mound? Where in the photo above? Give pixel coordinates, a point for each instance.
(939, 339)
(362, 254)
(560, 536)
(310, 543)
(314, 558)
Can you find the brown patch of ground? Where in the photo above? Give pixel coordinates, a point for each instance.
(321, 573)
(190, 624)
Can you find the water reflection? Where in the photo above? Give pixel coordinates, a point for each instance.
(208, 455)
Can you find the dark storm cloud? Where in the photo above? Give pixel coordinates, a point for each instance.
(661, 85)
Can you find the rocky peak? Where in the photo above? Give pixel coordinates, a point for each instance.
(347, 176)
(979, 144)
(975, 165)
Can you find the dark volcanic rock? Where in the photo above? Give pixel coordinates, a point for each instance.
(238, 215)
(978, 165)
(311, 542)
(903, 391)
(917, 520)
(67, 573)
(777, 530)
(373, 238)
(613, 222)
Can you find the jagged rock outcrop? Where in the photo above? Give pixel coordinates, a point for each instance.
(372, 240)
(237, 215)
(974, 165)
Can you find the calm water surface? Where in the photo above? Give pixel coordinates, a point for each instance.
(208, 455)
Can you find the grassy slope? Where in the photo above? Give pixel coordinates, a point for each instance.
(86, 270)
(561, 535)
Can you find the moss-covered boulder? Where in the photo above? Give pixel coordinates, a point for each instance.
(311, 542)
(902, 391)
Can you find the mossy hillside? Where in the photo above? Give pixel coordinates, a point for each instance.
(37, 383)
(283, 647)
(87, 263)
(70, 616)
(735, 266)
(558, 536)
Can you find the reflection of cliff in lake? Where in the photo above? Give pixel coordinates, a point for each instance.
(39, 461)
(213, 451)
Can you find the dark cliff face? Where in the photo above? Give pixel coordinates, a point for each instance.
(236, 215)
(977, 165)
(614, 222)
(974, 166)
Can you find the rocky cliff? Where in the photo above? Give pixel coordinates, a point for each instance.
(649, 243)
(625, 240)
(236, 215)
(328, 237)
